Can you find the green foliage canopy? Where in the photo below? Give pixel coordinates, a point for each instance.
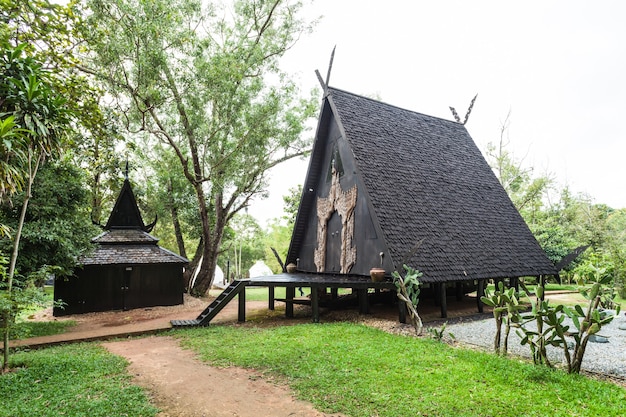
(204, 79)
(57, 227)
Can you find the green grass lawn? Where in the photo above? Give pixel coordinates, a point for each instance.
(73, 380)
(339, 367)
(26, 329)
(360, 371)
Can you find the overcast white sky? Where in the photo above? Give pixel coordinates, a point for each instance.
(559, 67)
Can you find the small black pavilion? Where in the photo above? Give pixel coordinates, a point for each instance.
(126, 270)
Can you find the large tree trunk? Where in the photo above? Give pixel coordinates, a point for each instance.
(205, 276)
(9, 317)
(191, 267)
(212, 237)
(207, 270)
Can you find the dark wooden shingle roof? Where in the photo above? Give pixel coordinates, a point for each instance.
(129, 247)
(427, 180)
(126, 240)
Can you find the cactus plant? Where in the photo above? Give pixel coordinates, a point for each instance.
(506, 310)
(408, 292)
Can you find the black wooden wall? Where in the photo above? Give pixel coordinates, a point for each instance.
(118, 287)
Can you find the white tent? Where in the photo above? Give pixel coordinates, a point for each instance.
(260, 269)
(219, 280)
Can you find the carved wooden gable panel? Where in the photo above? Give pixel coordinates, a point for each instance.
(342, 202)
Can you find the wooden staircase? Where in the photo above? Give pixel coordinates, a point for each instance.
(215, 307)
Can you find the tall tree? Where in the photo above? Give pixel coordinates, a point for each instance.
(565, 224)
(205, 80)
(57, 227)
(169, 197)
(524, 188)
(47, 30)
(96, 149)
(242, 245)
(30, 97)
(11, 154)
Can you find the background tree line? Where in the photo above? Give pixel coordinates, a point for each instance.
(562, 221)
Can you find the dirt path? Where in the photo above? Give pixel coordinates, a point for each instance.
(182, 386)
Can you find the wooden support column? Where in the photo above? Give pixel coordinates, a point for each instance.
(436, 293)
(459, 291)
(515, 283)
(290, 293)
(364, 305)
(480, 291)
(334, 293)
(443, 300)
(270, 298)
(241, 313)
(402, 312)
(542, 280)
(315, 304)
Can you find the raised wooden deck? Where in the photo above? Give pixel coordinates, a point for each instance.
(319, 284)
(316, 282)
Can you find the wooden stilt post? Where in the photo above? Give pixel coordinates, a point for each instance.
(241, 313)
(437, 293)
(334, 293)
(364, 306)
(402, 311)
(290, 293)
(315, 304)
(270, 298)
(443, 300)
(515, 283)
(479, 293)
(459, 291)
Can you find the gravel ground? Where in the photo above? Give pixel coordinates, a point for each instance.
(605, 358)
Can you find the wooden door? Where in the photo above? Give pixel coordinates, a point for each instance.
(333, 244)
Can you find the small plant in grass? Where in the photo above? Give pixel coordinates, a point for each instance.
(409, 292)
(506, 310)
(15, 297)
(438, 334)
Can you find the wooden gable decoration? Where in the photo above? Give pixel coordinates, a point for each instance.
(125, 213)
(387, 186)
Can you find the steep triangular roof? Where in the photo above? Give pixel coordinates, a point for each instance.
(126, 240)
(125, 213)
(419, 179)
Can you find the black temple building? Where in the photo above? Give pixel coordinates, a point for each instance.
(382, 179)
(388, 187)
(126, 270)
